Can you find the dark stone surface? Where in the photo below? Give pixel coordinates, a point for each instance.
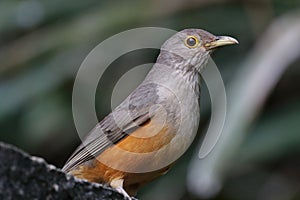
(25, 177)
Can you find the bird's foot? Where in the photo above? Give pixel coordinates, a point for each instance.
(122, 191)
(118, 185)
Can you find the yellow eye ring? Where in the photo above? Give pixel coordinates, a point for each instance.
(191, 42)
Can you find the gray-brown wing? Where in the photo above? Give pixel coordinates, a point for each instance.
(126, 118)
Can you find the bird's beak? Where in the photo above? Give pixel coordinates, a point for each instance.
(220, 41)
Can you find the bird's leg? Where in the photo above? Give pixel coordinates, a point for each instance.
(118, 185)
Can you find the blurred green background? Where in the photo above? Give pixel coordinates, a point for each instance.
(42, 44)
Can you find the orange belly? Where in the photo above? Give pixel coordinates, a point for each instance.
(120, 162)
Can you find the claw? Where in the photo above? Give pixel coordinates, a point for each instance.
(122, 191)
(118, 185)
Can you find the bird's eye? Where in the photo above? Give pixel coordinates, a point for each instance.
(191, 41)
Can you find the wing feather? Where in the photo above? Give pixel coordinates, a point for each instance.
(126, 118)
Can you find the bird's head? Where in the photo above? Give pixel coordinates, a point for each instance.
(194, 45)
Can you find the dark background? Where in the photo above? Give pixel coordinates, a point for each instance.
(42, 44)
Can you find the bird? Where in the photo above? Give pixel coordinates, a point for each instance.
(143, 137)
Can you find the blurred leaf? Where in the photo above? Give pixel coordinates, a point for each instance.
(276, 136)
